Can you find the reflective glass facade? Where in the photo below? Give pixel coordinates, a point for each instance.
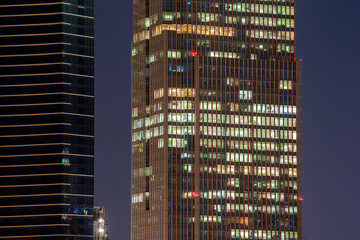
(46, 119)
(216, 150)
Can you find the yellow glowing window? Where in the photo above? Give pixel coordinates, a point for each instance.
(286, 85)
(141, 36)
(158, 93)
(267, 34)
(194, 29)
(181, 92)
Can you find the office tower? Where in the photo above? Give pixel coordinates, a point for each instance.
(46, 119)
(100, 223)
(215, 120)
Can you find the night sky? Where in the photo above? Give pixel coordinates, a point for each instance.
(328, 41)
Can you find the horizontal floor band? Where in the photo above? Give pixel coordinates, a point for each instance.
(46, 174)
(47, 154)
(35, 205)
(35, 185)
(34, 226)
(34, 125)
(46, 195)
(46, 74)
(46, 236)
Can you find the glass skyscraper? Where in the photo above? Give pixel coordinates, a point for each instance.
(46, 119)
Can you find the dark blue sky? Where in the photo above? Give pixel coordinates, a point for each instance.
(328, 41)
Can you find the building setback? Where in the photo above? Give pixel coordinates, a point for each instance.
(216, 148)
(46, 119)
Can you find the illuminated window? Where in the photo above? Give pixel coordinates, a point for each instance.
(138, 123)
(260, 8)
(138, 136)
(181, 105)
(267, 34)
(210, 219)
(176, 68)
(223, 54)
(137, 198)
(155, 56)
(246, 95)
(181, 92)
(174, 54)
(286, 85)
(141, 36)
(147, 23)
(134, 112)
(194, 29)
(181, 130)
(176, 142)
(158, 118)
(208, 17)
(188, 168)
(170, 16)
(273, 109)
(65, 160)
(158, 93)
(181, 117)
(210, 106)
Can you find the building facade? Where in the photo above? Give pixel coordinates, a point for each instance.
(216, 140)
(100, 223)
(46, 119)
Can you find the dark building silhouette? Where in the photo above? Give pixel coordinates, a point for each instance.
(215, 120)
(46, 119)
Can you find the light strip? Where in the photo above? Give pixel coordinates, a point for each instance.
(52, 235)
(36, 24)
(45, 54)
(34, 4)
(36, 84)
(44, 94)
(47, 174)
(35, 145)
(32, 226)
(45, 74)
(36, 64)
(35, 104)
(36, 44)
(47, 154)
(77, 55)
(37, 185)
(35, 125)
(45, 215)
(47, 14)
(42, 195)
(30, 165)
(31, 54)
(44, 114)
(45, 34)
(36, 205)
